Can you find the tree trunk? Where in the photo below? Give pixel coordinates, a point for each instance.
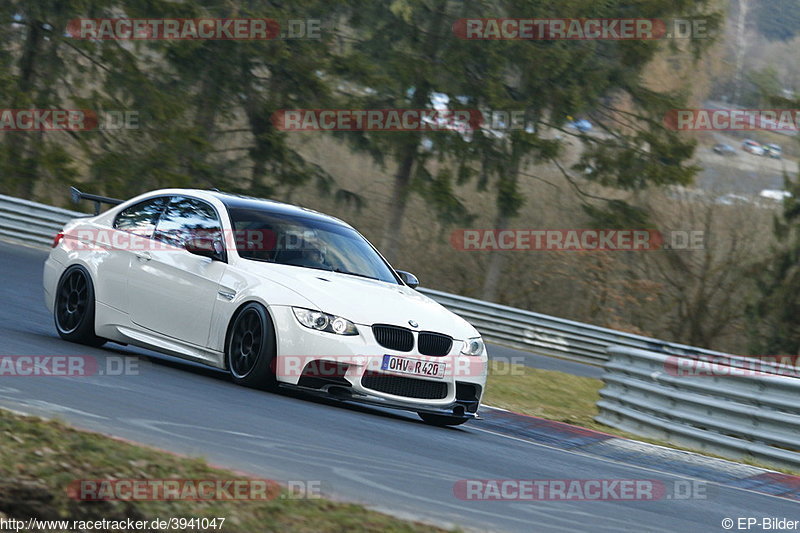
(497, 260)
(22, 167)
(259, 125)
(741, 49)
(505, 213)
(204, 122)
(392, 234)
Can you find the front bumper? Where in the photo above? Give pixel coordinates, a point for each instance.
(457, 394)
(454, 409)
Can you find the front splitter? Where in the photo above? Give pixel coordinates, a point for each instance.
(346, 395)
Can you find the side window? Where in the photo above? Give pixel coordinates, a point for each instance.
(187, 218)
(140, 219)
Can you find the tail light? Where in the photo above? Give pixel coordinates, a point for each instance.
(57, 238)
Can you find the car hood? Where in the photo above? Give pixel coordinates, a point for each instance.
(365, 301)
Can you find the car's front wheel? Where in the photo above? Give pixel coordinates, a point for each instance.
(442, 420)
(250, 350)
(75, 307)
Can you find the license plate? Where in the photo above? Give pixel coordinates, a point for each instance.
(414, 367)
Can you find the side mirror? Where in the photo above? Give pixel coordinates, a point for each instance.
(205, 247)
(408, 278)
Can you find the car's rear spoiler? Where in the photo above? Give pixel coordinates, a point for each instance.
(77, 196)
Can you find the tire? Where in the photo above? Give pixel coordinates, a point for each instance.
(250, 348)
(74, 308)
(441, 420)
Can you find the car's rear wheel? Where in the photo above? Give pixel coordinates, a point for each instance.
(442, 420)
(75, 307)
(250, 350)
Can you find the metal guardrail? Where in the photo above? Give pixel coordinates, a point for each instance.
(30, 221)
(722, 410)
(549, 335)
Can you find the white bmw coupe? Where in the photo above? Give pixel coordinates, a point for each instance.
(277, 295)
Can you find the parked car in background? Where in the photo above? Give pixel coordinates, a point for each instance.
(732, 199)
(773, 150)
(752, 147)
(724, 149)
(775, 194)
(582, 125)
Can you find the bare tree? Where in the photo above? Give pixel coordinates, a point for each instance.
(741, 48)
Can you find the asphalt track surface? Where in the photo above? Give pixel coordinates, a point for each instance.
(386, 460)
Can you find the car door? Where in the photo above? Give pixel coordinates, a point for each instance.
(172, 291)
(130, 236)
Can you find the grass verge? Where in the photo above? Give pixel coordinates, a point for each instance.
(39, 459)
(544, 393)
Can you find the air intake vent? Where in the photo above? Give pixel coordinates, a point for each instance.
(319, 373)
(434, 344)
(394, 338)
(402, 386)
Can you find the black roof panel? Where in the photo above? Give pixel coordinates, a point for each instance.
(273, 206)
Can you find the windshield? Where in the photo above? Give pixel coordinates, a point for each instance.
(306, 242)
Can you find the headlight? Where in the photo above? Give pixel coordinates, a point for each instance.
(324, 322)
(473, 346)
